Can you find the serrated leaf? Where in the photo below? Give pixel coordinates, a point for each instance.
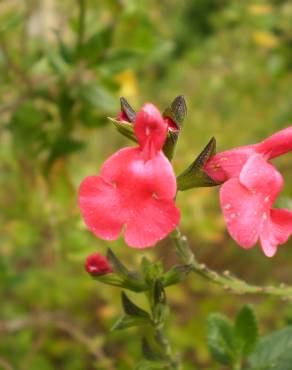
(246, 330)
(221, 339)
(194, 175)
(273, 351)
(131, 308)
(127, 321)
(117, 265)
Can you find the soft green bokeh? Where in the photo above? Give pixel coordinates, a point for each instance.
(232, 60)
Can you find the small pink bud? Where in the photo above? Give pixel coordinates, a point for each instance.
(97, 265)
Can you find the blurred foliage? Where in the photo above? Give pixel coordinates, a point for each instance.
(63, 65)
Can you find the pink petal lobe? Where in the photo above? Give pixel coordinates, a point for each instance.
(152, 223)
(100, 208)
(128, 169)
(228, 164)
(133, 193)
(261, 178)
(277, 144)
(150, 126)
(242, 211)
(276, 230)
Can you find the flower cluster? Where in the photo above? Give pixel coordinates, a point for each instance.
(136, 187)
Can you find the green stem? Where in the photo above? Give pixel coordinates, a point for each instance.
(226, 280)
(81, 23)
(160, 335)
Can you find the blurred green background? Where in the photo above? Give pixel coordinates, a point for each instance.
(63, 66)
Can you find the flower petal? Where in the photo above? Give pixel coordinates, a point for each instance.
(261, 178)
(276, 230)
(243, 212)
(150, 126)
(128, 169)
(277, 144)
(132, 192)
(100, 207)
(151, 223)
(228, 164)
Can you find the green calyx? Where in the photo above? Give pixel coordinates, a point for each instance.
(195, 176)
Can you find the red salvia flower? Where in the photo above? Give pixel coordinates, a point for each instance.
(97, 265)
(135, 189)
(251, 185)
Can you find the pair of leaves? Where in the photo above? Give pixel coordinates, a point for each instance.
(229, 343)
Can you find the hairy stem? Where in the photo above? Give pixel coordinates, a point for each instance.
(228, 281)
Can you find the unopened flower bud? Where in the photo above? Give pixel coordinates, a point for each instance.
(97, 265)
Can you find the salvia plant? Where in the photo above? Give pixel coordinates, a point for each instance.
(134, 195)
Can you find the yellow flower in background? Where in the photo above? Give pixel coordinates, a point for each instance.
(259, 9)
(128, 83)
(265, 39)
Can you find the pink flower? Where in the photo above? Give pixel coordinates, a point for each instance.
(135, 189)
(128, 115)
(251, 186)
(97, 265)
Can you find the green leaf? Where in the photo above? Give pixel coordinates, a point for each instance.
(64, 50)
(127, 321)
(94, 48)
(11, 21)
(132, 309)
(62, 147)
(246, 330)
(57, 63)
(151, 271)
(149, 353)
(273, 351)
(111, 279)
(175, 275)
(98, 97)
(221, 339)
(152, 365)
(195, 176)
(118, 60)
(117, 265)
